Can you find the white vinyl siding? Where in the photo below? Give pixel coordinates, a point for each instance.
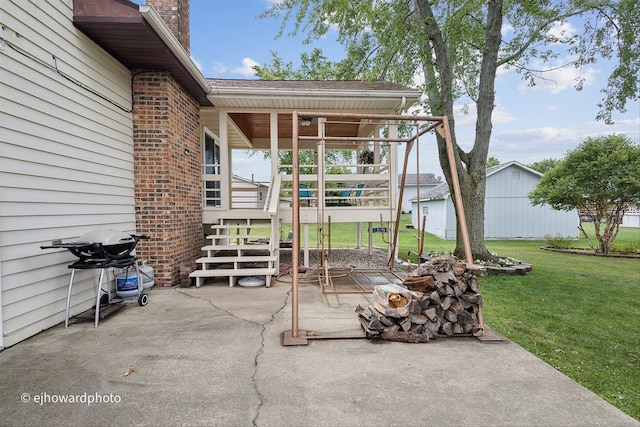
(510, 215)
(66, 160)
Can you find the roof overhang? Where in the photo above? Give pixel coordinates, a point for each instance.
(137, 36)
(311, 95)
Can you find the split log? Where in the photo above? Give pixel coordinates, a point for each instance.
(419, 284)
(446, 303)
(418, 319)
(447, 328)
(430, 313)
(410, 337)
(451, 316)
(405, 324)
(459, 268)
(435, 297)
(473, 284)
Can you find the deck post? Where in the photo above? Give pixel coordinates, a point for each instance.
(295, 336)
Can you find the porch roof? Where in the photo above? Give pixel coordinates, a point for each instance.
(308, 94)
(254, 99)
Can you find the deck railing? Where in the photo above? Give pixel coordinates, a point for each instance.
(363, 185)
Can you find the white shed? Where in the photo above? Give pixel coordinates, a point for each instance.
(508, 212)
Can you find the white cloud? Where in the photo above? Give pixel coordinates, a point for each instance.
(562, 31)
(635, 121)
(246, 68)
(218, 68)
(535, 144)
(506, 29)
(500, 115)
(556, 78)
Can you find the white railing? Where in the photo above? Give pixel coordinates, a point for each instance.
(364, 185)
(336, 190)
(273, 195)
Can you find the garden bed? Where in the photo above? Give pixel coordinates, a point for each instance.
(579, 251)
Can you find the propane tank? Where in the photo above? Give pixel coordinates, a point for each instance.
(127, 280)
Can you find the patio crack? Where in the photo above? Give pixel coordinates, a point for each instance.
(259, 351)
(254, 382)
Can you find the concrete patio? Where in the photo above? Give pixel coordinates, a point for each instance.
(213, 356)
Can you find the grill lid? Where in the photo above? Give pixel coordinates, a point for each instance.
(107, 237)
(100, 245)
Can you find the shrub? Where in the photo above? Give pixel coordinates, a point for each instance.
(625, 248)
(558, 241)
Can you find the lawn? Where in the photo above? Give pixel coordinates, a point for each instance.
(578, 313)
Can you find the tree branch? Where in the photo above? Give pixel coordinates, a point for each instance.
(535, 34)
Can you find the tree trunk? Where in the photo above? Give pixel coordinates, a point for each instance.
(471, 167)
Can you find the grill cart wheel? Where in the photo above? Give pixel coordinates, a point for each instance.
(143, 300)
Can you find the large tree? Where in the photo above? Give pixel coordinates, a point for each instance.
(457, 47)
(601, 179)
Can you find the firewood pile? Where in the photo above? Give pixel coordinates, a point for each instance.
(439, 298)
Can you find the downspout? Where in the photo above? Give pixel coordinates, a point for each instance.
(402, 104)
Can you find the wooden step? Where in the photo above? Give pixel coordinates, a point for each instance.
(229, 259)
(241, 225)
(264, 247)
(232, 273)
(238, 236)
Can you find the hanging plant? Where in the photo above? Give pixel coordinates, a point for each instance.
(366, 157)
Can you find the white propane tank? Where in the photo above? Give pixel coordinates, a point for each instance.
(127, 283)
(127, 280)
(146, 271)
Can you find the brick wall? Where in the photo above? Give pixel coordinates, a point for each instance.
(167, 153)
(175, 13)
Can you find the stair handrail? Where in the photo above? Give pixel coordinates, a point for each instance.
(273, 195)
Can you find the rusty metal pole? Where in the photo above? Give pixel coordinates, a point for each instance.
(392, 251)
(446, 133)
(293, 337)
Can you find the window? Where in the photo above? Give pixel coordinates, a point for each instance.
(212, 195)
(425, 210)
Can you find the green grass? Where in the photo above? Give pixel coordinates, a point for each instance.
(578, 313)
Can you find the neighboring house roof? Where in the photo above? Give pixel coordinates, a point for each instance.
(442, 191)
(438, 192)
(424, 179)
(248, 181)
(138, 37)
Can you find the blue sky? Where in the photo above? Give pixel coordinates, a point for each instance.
(529, 123)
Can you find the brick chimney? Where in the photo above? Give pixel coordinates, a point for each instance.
(175, 14)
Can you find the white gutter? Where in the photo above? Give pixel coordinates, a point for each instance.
(279, 92)
(157, 23)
